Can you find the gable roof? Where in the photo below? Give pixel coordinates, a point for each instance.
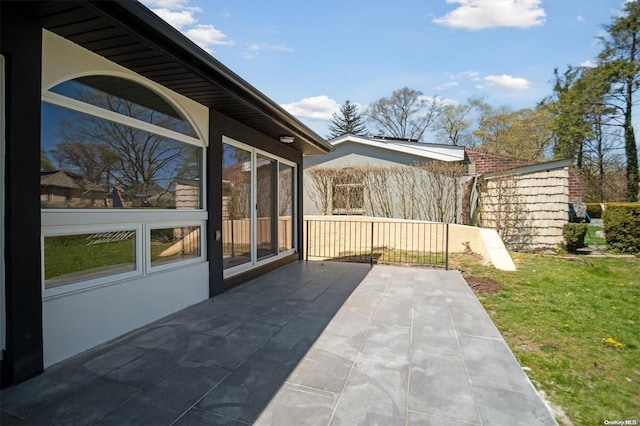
(430, 151)
(531, 168)
(129, 34)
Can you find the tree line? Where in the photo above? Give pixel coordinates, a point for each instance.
(588, 117)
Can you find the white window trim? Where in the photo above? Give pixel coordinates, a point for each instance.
(83, 107)
(56, 222)
(255, 262)
(150, 269)
(102, 281)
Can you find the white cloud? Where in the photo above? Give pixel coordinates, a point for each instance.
(579, 18)
(206, 36)
(508, 82)
(481, 14)
(315, 108)
(166, 4)
(589, 63)
(182, 16)
(254, 49)
(447, 85)
(177, 19)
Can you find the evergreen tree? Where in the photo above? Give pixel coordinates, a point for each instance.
(347, 121)
(621, 58)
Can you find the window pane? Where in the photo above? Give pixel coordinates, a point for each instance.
(236, 206)
(266, 204)
(72, 258)
(174, 244)
(285, 209)
(127, 98)
(90, 162)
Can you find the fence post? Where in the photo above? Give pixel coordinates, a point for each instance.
(306, 251)
(446, 254)
(371, 256)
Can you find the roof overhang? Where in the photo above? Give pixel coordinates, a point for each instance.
(533, 168)
(432, 151)
(132, 36)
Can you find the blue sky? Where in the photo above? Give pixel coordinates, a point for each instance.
(310, 56)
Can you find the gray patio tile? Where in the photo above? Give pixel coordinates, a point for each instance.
(351, 321)
(322, 370)
(502, 407)
(374, 395)
(326, 304)
(112, 358)
(245, 392)
(84, 406)
(33, 395)
(147, 369)
(168, 399)
(294, 405)
(307, 293)
(279, 313)
(7, 419)
(196, 417)
(473, 321)
(419, 419)
(434, 333)
(431, 305)
(298, 334)
(341, 346)
(440, 386)
(395, 308)
(386, 345)
(491, 364)
(136, 413)
(234, 348)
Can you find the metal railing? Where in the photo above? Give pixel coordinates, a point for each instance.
(377, 241)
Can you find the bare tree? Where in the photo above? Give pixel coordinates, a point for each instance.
(503, 209)
(407, 113)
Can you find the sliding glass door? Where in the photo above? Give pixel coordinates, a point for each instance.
(257, 206)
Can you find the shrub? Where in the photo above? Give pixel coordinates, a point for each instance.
(622, 226)
(573, 234)
(594, 210)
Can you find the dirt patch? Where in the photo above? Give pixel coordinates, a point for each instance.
(483, 284)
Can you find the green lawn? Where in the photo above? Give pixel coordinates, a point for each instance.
(575, 323)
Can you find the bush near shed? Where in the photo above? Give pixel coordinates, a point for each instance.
(622, 226)
(573, 234)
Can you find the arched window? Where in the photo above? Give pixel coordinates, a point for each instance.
(121, 183)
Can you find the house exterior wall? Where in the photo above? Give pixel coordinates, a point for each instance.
(484, 162)
(45, 325)
(528, 210)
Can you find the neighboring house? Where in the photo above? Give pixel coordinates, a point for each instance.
(65, 189)
(379, 176)
(128, 100)
(526, 201)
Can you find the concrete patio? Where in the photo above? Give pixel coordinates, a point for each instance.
(311, 343)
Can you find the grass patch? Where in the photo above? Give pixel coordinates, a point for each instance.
(591, 239)
(575, 324)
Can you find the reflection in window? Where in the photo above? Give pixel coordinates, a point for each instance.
(285, 208)
(91, 162)
(72, 258)
(266, 204)
(127, 98)
(236, 206)
(174, 244)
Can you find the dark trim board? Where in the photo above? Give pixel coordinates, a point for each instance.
(242, 278)
(21, 41)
